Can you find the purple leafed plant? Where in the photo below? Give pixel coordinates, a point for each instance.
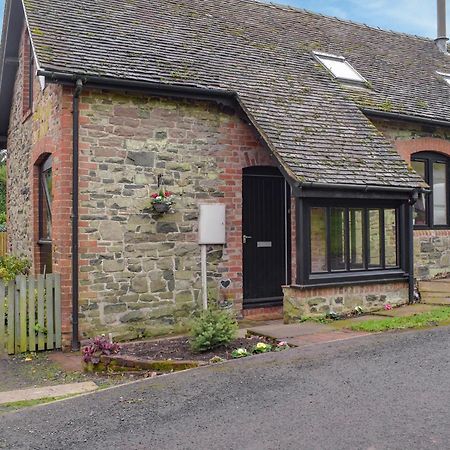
(98, 346)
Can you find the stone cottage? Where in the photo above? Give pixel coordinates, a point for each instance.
(327, 141)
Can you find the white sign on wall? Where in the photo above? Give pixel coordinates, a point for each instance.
(211, 227)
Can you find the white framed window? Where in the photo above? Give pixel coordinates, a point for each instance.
(339, 67)
(445, 76)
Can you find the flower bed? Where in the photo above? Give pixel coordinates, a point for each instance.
(170, 355)
(180, 349)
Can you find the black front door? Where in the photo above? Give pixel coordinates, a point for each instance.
(265, 236)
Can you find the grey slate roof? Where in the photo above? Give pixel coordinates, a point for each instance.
(263, 53)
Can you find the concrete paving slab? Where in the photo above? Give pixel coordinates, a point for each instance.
(70, 362)
(283, 331)
(408, 310)
(322, 338)
(60, 390)
(246, 324)
(438, 300)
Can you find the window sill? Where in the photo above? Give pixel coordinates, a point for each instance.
(349, 278)
(434, 227)
(26, 115)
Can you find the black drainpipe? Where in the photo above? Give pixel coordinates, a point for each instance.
(75, 163)
(410, 227)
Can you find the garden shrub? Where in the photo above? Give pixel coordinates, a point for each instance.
(98, 346)
(212, 329)
(11, 266)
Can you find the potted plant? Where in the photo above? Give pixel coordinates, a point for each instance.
(162, 200)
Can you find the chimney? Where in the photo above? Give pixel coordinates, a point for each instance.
(441, 40)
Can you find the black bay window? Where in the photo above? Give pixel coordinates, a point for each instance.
(345, 240)
(432, 210)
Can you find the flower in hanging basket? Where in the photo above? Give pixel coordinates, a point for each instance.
(162, 200)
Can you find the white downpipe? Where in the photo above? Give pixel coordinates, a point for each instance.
(204, 278)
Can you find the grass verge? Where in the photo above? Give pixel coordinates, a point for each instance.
(422, 320)
(14, 406)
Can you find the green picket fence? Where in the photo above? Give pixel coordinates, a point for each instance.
(30, 314)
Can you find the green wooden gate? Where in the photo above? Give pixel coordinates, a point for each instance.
(30, 314)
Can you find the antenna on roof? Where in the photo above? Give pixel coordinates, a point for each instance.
(441, 40)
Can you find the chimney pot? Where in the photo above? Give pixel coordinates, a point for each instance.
(441, 40)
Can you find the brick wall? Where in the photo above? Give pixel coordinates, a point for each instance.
(431, 247)
(33, 134)
(140, 271)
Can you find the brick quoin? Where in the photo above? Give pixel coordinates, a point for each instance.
(35, 133)
(243, 149)
(52, 135)
(26, 56)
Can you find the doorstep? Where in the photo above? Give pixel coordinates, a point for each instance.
(263, 313)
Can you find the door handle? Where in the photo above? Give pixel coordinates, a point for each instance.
(245, 237)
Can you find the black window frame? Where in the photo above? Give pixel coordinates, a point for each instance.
(44, 197)
(429, 158)
(305, 274)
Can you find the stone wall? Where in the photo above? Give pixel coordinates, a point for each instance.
(140, 271)
(432, 254)
(300, 302)
(19, 200)
(431, 247)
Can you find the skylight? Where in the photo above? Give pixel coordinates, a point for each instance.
(445, 76)
(339, 68)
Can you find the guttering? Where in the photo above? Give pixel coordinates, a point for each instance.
(160, 89)
(75, 190)
(405, 117)
(356, 187)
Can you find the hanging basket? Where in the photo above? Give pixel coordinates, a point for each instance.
(161, 207)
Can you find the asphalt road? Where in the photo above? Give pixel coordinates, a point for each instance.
(389, 391)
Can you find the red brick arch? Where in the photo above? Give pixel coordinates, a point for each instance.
(407, 147)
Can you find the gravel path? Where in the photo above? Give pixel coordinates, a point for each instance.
(16, 373)
(389, 391)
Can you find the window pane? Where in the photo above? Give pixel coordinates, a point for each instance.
(340, 68)
(356, 239)
(337, 238)
(420, 212)
(318, 240)
(46, 204)
(439, 193)
(390, 236)
(374, 238)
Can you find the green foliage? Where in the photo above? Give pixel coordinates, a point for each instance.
(3, 193)
(40, 329)
(262, 347)
(240, 353)
(433, 318)
(212, 329)
(11, 266)
(323, 318)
